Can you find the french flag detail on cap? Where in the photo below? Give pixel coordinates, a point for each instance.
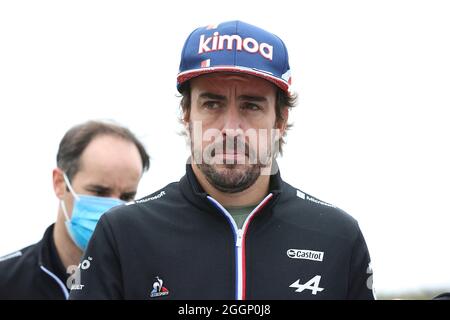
(235, 46)
(287, 76)
(211, 26)
(205, 63)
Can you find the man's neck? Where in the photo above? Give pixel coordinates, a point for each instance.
(250, 196)
(66, 249)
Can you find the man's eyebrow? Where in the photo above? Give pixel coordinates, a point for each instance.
(253, 98)
(209, 95)
(129, 194)
(98, 187)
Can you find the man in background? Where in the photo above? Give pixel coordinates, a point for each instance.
(99, 166)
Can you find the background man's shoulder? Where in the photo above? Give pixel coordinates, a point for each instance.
(145, 206)
(15, 267)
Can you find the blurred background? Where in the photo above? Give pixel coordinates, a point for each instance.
(370, 133)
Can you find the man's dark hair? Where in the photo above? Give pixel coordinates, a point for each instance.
(283, 100)
(78, 138)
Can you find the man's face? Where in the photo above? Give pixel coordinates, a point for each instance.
(232, 125)
(109, 167)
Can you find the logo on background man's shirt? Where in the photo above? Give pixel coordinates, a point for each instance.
(305, 254)
(74, 280)
(158, 289)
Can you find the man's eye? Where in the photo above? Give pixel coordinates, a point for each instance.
(212, 105)
(100, 193)
(127, 198)
(251, 106)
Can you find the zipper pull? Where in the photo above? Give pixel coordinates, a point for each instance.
(239, 236)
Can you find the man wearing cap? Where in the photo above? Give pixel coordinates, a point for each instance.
(231, 228)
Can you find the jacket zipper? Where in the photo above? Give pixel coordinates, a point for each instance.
(58, 281)
(240, 235)
(239, 264)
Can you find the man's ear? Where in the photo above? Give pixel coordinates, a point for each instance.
(186, 122)
(282, 123)
(59, 185)
(186, 118)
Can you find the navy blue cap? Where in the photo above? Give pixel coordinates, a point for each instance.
(235, 46)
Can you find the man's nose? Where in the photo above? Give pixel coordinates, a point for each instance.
(116, 195)
(232, 126)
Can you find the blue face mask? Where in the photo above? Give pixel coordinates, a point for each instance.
(86, 212)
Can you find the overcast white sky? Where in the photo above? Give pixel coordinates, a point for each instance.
(370, 132)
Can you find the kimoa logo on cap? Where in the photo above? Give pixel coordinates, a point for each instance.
(217, 42)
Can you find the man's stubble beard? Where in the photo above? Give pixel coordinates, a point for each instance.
(230, 178)
(226, 177)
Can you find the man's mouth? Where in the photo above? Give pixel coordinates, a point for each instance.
(230, 156)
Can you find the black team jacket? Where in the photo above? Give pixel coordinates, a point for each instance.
(180, 243)
(34, 273)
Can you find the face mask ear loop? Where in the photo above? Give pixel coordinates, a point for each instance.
(63, 207)
(70, 186)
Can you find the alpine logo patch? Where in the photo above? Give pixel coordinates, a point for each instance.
(312, 285)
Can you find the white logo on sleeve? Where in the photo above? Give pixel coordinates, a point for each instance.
(159, 195)
(312, 285)
(301, 194)
(11, 255)
(304, 196)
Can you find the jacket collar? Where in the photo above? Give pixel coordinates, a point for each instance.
(49, 261)
(44, 247)
(48, 256)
